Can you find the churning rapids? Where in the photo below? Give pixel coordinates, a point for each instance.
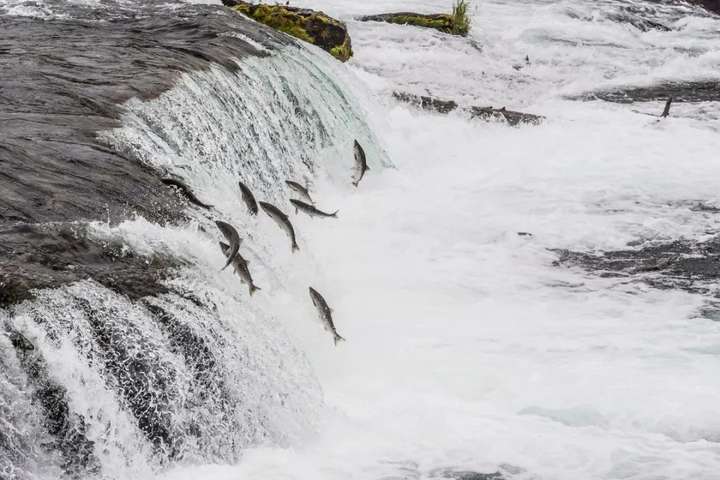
(531, 302)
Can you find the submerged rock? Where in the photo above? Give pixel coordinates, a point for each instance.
(426, 102)
(308, 25)
(440, 21)
(679, 91)
(689, 265)
(455, 23)
(484, 113)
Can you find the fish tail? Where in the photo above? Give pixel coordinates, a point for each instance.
(254, 289)
(338, 338)
(295, 247)
(335, 214)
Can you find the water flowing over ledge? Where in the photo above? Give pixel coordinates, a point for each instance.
(132, 352)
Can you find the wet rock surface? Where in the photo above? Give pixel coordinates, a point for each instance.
(37, 256)
(511, 117)
(63, 80)
(689, 265)
(710, 5)
(308, 25)
(442, 22)
(680, 92)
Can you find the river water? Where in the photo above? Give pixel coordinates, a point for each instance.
(469, 347)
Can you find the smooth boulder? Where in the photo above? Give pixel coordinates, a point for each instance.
(308, 25)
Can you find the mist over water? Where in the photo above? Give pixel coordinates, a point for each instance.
(468, 347)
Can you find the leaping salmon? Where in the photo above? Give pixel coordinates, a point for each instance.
(361, 165)
(300, 190)
(248, 198)
(232, 236)
(311, 210)
(282, 221)
(185, 191)
(666, 110)
(325, 313)
(241, 268)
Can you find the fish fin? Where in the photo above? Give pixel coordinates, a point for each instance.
(231, 257)
(338, 338)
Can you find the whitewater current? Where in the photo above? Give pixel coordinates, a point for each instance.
(469, 347)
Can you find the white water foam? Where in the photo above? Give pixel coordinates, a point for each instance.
(467, 348)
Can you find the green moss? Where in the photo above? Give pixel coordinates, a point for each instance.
(460, 19)
(456, 23)
(306, 25)
(343, 51)
(438, 22)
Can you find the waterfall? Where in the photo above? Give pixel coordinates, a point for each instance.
(102, 384)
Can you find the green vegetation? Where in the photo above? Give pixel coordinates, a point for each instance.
(460, 19)
(456, 23)
(307, 25)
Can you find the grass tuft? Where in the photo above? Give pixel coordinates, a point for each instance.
(460, 19)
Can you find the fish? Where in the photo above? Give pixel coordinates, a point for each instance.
(185, 191)
(248, 198)
(282, 221)
(232, 236)
(325, 313)
(666, 110)
(361, 165)
(300, 190)
(311, 210)
(241, 268)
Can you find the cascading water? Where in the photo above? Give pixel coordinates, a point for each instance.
(537, 302)
(98, 384)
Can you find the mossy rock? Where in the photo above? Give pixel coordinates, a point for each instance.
(440, 21)
(308, 25)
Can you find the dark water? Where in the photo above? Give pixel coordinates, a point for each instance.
(62, 80)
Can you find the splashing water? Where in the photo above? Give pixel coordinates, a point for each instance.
(468, 348)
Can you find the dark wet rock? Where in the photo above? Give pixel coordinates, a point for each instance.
(642, 24)
(710, 5)
(308, 25)
(680, 92)
(455, 23)
(684, 264)
(426, 102)
(62, 82)
(441, 21)
(468, 475)
(36, 256)
(512, 118)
